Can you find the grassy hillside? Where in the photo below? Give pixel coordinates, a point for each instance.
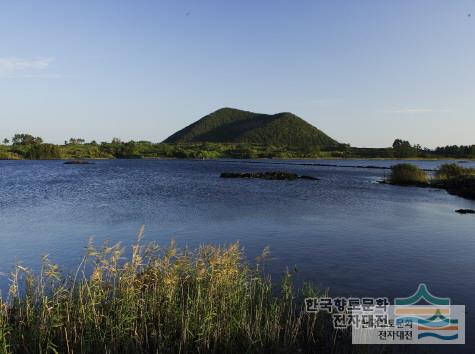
(229, 125)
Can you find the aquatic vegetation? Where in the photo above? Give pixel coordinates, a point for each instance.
(159, 300)
(407, 174)
(452, 170)
(454, 179)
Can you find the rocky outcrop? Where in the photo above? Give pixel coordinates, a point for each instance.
(465, 211)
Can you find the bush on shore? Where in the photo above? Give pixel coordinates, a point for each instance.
(159, 300)
(452, 170)
(43, 152)
(407, 174)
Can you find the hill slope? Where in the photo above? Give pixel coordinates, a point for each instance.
(228, 125)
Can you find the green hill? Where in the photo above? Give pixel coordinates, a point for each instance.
(228, 125)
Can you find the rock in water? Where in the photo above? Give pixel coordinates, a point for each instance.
(309, 177)
(286, 176)
(77, 162)
(465, 211)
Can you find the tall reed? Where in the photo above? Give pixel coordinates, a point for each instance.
(158, 301)
(406, 174)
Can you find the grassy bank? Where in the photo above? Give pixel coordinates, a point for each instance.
(160, 300)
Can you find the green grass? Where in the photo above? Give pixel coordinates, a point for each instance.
(407, 174)
(159, 300)
(6, 154)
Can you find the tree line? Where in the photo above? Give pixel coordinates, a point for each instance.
(27, 146)
(404, 149)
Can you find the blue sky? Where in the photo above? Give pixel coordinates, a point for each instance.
(365, 72)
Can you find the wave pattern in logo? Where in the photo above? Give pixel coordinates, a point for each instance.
(436, 326)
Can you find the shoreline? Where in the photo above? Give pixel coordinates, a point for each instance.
(465, 160)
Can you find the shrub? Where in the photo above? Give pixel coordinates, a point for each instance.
(43, 152)
(407, 174)
(452, 170)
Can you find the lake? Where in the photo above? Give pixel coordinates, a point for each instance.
(346, 232)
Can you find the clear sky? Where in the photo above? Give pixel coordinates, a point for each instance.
(364, 71)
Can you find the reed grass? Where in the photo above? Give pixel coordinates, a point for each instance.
(452, 171)
(159, 300)
(406, 174)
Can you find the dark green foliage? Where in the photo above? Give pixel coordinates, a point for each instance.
(43, 152)
(25, 139)
(229, 125)
(120, 149)
(76, 141)
(126, 150)
(405, 174)
(403, 149)
(461, 151)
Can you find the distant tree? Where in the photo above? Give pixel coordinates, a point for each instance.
(116, 141)
(26, 139)
(76, 141)
(403, 148)
(6, 141)
(398, 143)
(456, 151)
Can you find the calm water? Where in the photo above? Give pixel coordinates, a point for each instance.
(345, 232)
